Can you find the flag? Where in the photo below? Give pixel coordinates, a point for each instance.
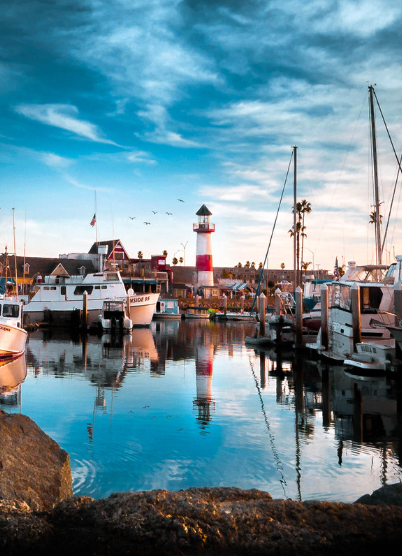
(93, 221)
(336, 270)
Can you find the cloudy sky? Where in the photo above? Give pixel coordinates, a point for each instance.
(151, 101)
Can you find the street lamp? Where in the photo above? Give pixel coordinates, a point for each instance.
(184, 251)
(312, 252)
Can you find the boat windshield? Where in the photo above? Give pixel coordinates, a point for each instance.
(9, 310)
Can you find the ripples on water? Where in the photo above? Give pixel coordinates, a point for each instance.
(187, 404)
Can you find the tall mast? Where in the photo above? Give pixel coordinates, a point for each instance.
(376, 194)
(294, 216)
(15, 259)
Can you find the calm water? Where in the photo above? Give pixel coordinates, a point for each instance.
(187, 404)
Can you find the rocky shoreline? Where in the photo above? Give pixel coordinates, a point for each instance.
(197, 521)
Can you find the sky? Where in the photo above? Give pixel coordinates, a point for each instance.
(123, 107)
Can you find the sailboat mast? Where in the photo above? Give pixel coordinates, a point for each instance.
(376, 194)
(295, 216)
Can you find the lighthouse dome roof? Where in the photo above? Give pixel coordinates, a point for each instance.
(203, 211)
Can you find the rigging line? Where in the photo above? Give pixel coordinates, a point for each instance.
(399, 160)
(323, 227)
(270, 239)
(270, 434)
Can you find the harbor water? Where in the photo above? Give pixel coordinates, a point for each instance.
(187, 404)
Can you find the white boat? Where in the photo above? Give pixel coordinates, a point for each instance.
(376, 316)
(59, 297)
(246, 316)
(371, 359)
(114, 317)
(376, 291)
(167, 309)
(12, 335)
(195, 312)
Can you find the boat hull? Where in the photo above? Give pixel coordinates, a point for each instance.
(142, 308)
(12, 341)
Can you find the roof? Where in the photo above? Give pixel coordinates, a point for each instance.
(45, 266)
(203, 211)
(110, 244)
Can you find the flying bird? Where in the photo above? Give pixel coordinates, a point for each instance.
(132, 217)
(154, 211)
(147, 222)
(181, 200)
(170, 214)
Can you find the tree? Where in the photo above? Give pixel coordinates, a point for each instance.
(174, 261)
(239, 265)
(283, 266)
(165, 253)
(181, 260)
(259, 266)
(140, 255)
(253, 265)
(247, 265)
(305, 265)
(302, 208)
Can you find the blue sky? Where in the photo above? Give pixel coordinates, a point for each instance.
(151, 101)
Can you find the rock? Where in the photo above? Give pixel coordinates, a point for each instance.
(199, 521)
(388, 494)
(33, 468)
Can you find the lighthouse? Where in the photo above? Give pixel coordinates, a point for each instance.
(204, 268)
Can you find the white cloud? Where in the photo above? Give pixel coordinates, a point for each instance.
(64, 117)
(140, 157)
(56, 161)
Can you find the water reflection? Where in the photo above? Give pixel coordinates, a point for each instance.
(187, 404)
(12, 374)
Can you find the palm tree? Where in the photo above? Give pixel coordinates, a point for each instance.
(259, 266)
(181, 260)
(305, 265)
(165, 253)
(239, 265)
(247, 265)
(253, 265)
(302, 208)
(140, 255)
(174, 261)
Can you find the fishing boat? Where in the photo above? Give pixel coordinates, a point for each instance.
(12, 335)
(59, 297)
(167, 309)
(114, 317)
(195, 312)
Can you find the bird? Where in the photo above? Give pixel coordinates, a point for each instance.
(169, 213)
(147, 222)
(181, 200)
(154, 211)
(132, 217)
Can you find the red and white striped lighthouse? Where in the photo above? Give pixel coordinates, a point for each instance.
(203, 265)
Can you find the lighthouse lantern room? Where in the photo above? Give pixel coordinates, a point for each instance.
(204, 268)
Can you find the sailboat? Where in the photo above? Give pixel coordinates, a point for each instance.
(13, 337)
(361, 303)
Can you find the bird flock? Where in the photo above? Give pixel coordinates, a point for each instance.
(155, 212)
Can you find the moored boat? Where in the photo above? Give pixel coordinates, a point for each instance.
(12, 336)
(196, 312)
(167, 309)
(114, 317)
(60, 296)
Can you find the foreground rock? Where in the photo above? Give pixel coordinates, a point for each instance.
(33, 467)
(216, 521)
